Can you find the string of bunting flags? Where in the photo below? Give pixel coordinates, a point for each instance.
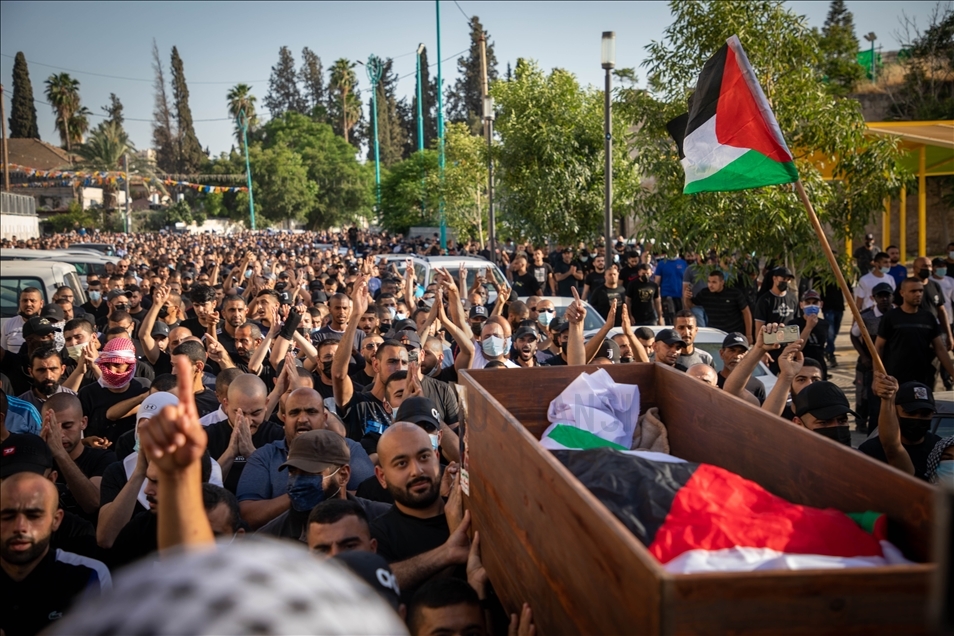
(66, 178)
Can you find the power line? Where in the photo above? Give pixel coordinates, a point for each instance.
(466, 17)
(94, 114)
(446, 59)
(120, 77)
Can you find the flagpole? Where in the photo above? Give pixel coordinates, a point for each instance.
(849, 300)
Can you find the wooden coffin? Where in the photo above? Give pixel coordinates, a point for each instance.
(547, 541)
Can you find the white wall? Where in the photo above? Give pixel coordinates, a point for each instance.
(22, 227)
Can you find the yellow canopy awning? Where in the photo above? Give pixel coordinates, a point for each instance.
(936, 137)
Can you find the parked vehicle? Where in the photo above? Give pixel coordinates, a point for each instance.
(85, 261)
(44, 275)
(106, 248)
(474, 267)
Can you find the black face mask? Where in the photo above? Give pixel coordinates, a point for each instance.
(923, 273)
(912, 428)
(163, 312)
(563, 346)
(121, 307)
(477, 328)
(326, 368)
(782, 286)
(840, 434)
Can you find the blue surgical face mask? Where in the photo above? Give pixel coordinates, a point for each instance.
(95, 296)
(945, 472)
(885, 270)
(508, 344)
(494, 346)
(400, 315)
(435, 441)
(545, 318)
(248, 273)
(940, 272)
(305, 491)
(392, 312)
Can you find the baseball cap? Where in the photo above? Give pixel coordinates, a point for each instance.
(670, 337)
(609, 350)
(374, 570)
(783, 271)
(823, 400)
(160, 330)
(404, 325)
(561, 326)
(735, 339)
(869, 237)
(914, 396)
(39, 327)
(318, 297)
(116, 293)
(478, 311)
(315, 451)
(526, 331)
(419, 410)
(155, 403)
(408, 338)
(881, 288)
(645, 333)
(25, 452)
(811, 294)
(53, 312)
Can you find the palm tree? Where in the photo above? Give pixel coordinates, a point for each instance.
(343, 82)
(240, 98)
(104, 152)
(79, 125)
(62, 92)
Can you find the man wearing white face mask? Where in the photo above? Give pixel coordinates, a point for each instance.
(494, 344)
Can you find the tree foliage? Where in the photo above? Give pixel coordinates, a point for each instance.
(428, 111)
(928, 90)
(190, 154)
(818, 128)
(312, 79)
(344, 100)
(240, 99)
(465, 100)
(839, 50)
(408, 197)
(550, 157)
(22, 109)
(104, 151)
(283, 93)
(72, 118)
(464, 185)
(163, 123)
(73, 219)
(114, 110)
(392, 128)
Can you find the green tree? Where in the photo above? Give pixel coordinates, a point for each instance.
(344, 101)
(408, 195)
(464, 186)
(73, 219)
(839, 50)
(163, 124)
(283, 191)
(343, 189)
(283, 93)
(62, 92)
(240, 98)
(428, 110)
(190, 155)
(928, 89)
(104, 152)
(465, 100)
(114, 110)
(392, 137)
(22, 110)
(312, 78)
(817, 127)
(550, 159)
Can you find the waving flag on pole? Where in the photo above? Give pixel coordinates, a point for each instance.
(731, 140)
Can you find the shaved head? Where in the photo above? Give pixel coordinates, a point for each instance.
(409, 467)
(248, 385)
(29, 514)
(705, 373)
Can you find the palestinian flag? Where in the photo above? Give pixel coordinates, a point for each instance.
(702, 518)
(731, 140)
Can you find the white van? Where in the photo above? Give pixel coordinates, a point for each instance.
(84, 261)
(44, 275)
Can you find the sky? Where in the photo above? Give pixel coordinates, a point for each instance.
(224, 43)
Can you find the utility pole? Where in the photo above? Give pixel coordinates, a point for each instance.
(243, 124)
(440, 128)
(128, 200)
(6, 155)
(608, 62)
(488, 103)
(420, 99)
(374, 68)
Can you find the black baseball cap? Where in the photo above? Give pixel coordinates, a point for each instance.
(373, 569)
(478, 311)
(783, 271)
(670, 337)
(39, 327)
(882, 288)
(914, 396)
(408, 338)
(735, 339)
(419, 410)
(404, 325)
(116, 293)
(53, 312)
(609, 350)
(25, 452)
(160, 330)
(823, 400)
(525, 331)
(811, 294)
(559, 325)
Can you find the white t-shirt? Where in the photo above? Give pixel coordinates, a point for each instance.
(11, 337)
(946, 283)
(866, 284)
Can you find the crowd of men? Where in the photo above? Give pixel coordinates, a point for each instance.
(313, 388)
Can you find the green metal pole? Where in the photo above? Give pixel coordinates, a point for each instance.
(243, 123)
(440, 128)
(420, 110)
(374, 68)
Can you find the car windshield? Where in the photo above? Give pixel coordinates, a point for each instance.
(472, 274)
(712, 348)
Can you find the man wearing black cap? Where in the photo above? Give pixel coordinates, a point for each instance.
(476, 319)
(913, 405)
(823, 408)
(524, 351)
(778, 305)
(55, 314)
(667, 348)
(37, 333)
(866, 403)
(866, 253)
(560, 335)
(735, 347)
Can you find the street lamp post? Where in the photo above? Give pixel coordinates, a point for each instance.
(374, 67)
(608, 57)
(420, 99)
(440, 128)
(871, 37)
(491, 220)
(243, 124)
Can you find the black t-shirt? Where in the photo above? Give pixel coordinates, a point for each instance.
(643, 295)
(163, 363)
(372, 489)
(554, 361)
(47, 592)
(771, 308)
(918, 452)
(402, 536)
(753, 386)
(628, 274)
(594, 279)
(602, 297)
(98, 312)
(909, 349)
(724, 309)
(96, 400)
(817, 339)
(220, 434)
(526, 284)
(198, 329)
(206, 402)
(360, 378)
(564, 286)
(541, 273)
(137, 539)
(444, 398)
(92, 462)
(365, 419)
